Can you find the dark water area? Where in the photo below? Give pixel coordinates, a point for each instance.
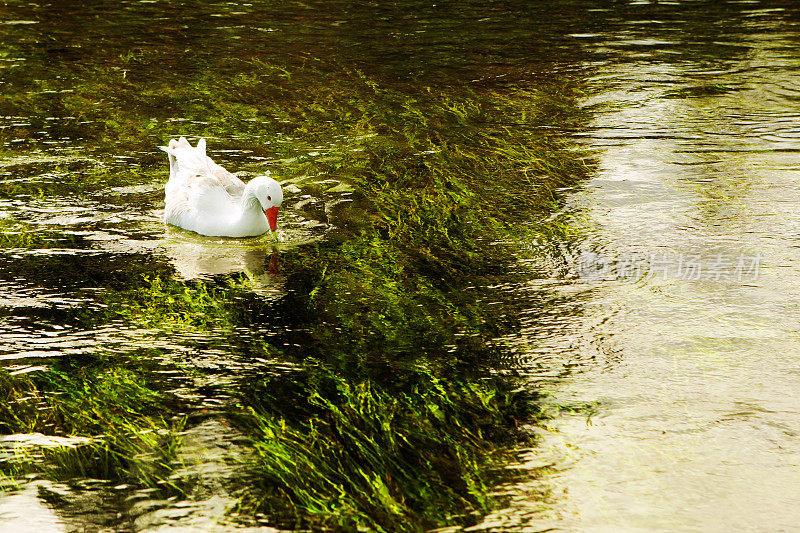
(464, 183)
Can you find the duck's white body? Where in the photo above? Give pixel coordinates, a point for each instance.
(203, 197)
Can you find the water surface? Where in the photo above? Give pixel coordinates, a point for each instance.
(672, 361)
(686, 350)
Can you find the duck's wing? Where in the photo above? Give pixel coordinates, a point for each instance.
(196, 190)
(233, 185)
(202, 206)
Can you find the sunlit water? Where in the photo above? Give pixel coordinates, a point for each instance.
(674, 337)
(684, 362)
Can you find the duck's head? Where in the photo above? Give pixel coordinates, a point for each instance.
(269, 194)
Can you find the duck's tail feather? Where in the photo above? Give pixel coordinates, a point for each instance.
(170, 154)
(185, 156)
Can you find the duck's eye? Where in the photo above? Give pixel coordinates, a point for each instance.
(269, 198)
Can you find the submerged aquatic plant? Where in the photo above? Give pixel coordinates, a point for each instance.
(16, 234)
(397, 456)
(392, 417)
(173, 305)
(106, 402)
(394, 422)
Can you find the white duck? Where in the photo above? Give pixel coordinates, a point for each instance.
(203, 197)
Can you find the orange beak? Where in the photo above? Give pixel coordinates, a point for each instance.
(272, 217)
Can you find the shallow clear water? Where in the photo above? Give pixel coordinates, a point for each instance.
(686, 348)
(669, 342)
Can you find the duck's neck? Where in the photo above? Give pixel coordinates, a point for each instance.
(249, 201)
(252, 214)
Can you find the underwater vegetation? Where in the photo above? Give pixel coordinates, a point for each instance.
(389, 413)
(108, 410)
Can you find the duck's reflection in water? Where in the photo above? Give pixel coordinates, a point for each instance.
(198, 257)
